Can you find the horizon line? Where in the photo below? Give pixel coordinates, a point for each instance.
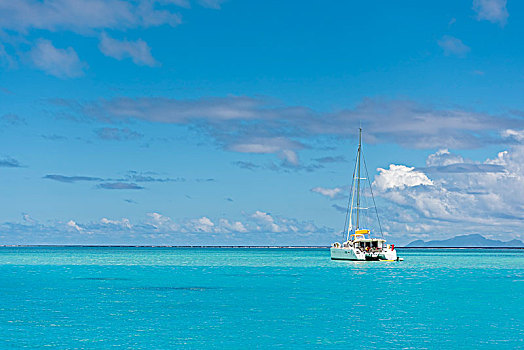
(220, 246)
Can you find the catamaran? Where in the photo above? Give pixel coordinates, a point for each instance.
(359, 244)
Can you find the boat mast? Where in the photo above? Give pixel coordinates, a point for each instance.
(351, 201)
(358, 171)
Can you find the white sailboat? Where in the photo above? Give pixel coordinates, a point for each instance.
(359, 244)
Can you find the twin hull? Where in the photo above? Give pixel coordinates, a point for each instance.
(350, 253)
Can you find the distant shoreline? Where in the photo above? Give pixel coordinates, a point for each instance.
(215, 247)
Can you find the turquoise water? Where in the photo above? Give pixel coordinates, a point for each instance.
(160, 298)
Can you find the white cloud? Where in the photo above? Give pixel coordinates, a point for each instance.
(281, 146)
(289, 156)
(328, 192)
(258, 147)
(74, 226)
(173, 111)
(517, 135)
(443, 157)
(62, 63)
(400, 177)
(162, 223)
(138, 50)
(486, 202)
(236, 226)
(202, 224)
(28, 219)
(266, 221)
(124, 223)
(453, 46)
(491, 10)
(444, 161)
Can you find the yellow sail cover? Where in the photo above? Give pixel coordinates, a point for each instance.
(362, 232)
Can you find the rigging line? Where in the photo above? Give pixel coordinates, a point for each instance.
(373, 197)
(359, 164)
(349, 198)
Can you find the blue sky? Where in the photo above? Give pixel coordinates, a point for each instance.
(235, 122)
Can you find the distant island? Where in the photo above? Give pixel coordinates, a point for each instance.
(467, 241)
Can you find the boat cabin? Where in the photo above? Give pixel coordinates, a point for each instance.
(371, 243)
(359, 240)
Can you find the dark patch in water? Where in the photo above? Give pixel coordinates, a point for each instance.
(102, 279)
(262, 275)
(198, 289)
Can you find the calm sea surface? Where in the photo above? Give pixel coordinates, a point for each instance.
(160, 298)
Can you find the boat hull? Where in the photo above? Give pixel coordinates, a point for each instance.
(346, 254)
(353, 255)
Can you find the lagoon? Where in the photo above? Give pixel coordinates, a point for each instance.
(159, 298)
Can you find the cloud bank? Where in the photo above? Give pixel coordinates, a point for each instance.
(485, 197)
(262, 126)
(259, 227)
